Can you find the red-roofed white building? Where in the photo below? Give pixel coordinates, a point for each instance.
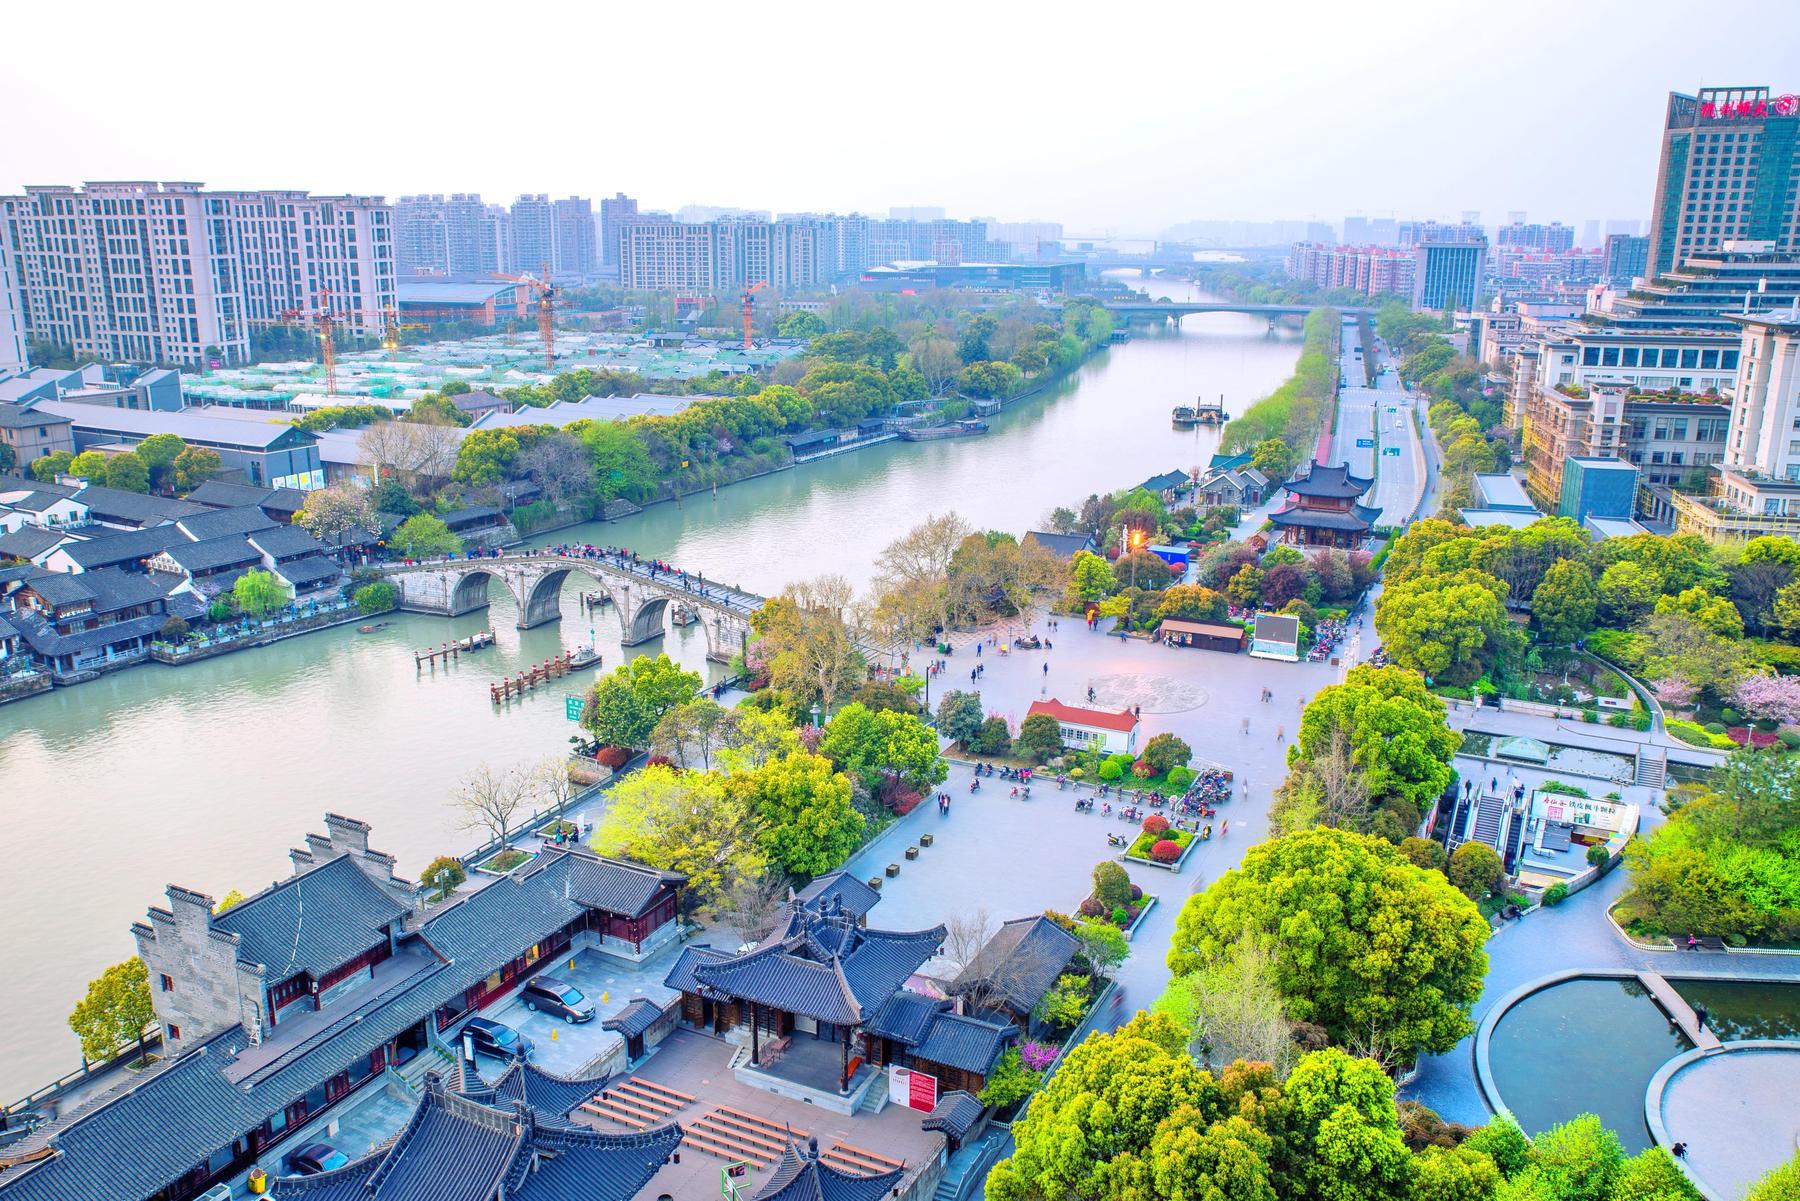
(1091, 729)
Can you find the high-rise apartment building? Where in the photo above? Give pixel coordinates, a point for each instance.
(449, 235)
(1728, 173)
(1554, 238)
(615, 212)
(12, 308)
(678, 256)
(171, 273)
(1373, 270)
(1447, 273)
(1627, 257)
(534, 233)
(575, 238)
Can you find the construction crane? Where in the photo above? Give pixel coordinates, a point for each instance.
(750, 307)
(325, 321)
(544, 293)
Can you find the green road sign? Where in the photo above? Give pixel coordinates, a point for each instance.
(572, 707)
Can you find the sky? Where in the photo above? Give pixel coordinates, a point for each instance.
(1115, 121)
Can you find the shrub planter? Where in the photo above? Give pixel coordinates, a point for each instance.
(505, 861)
(1149, 904)
(548, 830)
(1139, 851)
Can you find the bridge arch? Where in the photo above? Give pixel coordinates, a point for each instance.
(543, 595)
(471, 591)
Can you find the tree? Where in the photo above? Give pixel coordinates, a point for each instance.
(1626, 592)
(1232, 1010)
(1165, 752)
(1769, 698)
(1040, 738)
(1576, 1161)
(1677, 645)
(691, 730)
(489, 800)
(806, 823)
(423, 536)
(1112, 886)
(1330, 790)
(257, 592)
(1475, 868)
(751, 904)
(47, 468)
(1386, 957)
(912, 574)
(159, 452)
(559, 464)
(1565, 602)
(8, 457)
(194, 466)
(1103, 946)
(412, 451)
(801, 325)
(689, 822)
(89, 465)
(1710, 612)
(1781, 1184)
(114, 1012)
(127, 473)
(994, 737)
(1091, 578)
(936, 360)
(625, 706)
(445, 873)
(1343, 1107)
(228, 901)
(1195, 602)
(1275, 458)
(330, 513)
(959, 716)
(1425, 852)
(1653, 1175)
(807, 636)
(884, 743)
(376, 597)
(1452, 627)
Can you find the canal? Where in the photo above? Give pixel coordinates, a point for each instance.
(204, 775)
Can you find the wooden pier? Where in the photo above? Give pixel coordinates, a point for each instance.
(1679, 1011)
(527, 681)
(450, 651)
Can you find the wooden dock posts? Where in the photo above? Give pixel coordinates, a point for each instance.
(450, 651)
(526, 681)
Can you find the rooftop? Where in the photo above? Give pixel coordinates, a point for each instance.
(1123, 721)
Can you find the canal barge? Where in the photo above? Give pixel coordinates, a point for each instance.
(967, 428)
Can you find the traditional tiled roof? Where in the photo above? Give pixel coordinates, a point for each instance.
(1165, 481)
(682, 976)
(803, 1176)
(1329, 481)
(28, 542)
(59, 588)
(955, 1114)
(216, 523)
(1022, 961)
(830, 969)
(127, 547)
(904, 1017)
(312, 922)
(133, 508)
(309, 572)
(454, 1148)
(286, 542)
(1063, 546)
(214, 553)
(636, 1018)
(1359, 519)
(838, 887)
(627, 889)
(218, 494)
(44, 641)
(959, 1041)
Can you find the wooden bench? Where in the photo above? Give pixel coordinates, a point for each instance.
(713, 1146)
(765, 1123)
(673, 1093)
(738, 1132)
(844, 1155)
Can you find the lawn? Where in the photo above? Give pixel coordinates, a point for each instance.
(1140, 848)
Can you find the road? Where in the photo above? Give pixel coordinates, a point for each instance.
(1382, 417)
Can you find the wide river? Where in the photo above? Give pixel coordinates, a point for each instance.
(204, 775)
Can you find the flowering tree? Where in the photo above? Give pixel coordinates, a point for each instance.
(1774, 698)
(1676, 692)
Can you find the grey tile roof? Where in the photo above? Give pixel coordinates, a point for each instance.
(803, 1176)
(857, 897)
(28, 542)
(955, 1114)
(59, 587)
(627, 889)
(312, 922)
(13, 416)
(957, 1041)
(309, 572)
(115, 589)
(904, 1017)
(451, 1150)
(12, 482)
(126, 547)
(287, 542)
(1329, 480)
(545, 1091)
(133, 508)
(1063, 546)
(636, 1018)
(216, 523)
(831, 969)
(212, 554)
(1023, 958)
(682, 976)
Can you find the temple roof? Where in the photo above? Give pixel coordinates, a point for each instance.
(958, 1041)
(839, 886)
(314, 921)
(955, 1114)
(801, 1175)
(1331, 481)
(1359, 518)
(1021, 961)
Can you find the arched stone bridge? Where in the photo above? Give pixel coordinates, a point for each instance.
(452, 587)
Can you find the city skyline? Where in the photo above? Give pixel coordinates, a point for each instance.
(1292, 123)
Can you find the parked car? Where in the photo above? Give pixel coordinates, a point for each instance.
(317, 1157)
(558, 997)
(497, 1039)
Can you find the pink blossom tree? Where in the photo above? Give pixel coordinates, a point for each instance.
(1675, 692)
(1771, 698)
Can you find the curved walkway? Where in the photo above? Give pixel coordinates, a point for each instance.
(1574, 936)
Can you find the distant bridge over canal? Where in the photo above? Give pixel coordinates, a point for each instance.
(1151, 310)
(642, 596)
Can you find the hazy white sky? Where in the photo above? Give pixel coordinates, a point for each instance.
(1120, 118)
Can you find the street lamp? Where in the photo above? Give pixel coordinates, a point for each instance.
(1137, 541)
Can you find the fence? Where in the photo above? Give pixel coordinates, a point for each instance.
(317, 617)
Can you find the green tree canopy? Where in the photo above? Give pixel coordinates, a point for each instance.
(885, 742)
(959, 716)
(194, 466)
(1382, 954)
(424, 535)
(115, 1010)
(806, 823)
(1451, 627)
(624, 706)
(684, 821)
(257, 593)
(1565, 602)
(127, 473)
(1040, 737)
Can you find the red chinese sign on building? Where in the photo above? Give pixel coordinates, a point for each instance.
(1779, 106)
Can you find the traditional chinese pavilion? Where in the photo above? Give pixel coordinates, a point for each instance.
(1323, 509)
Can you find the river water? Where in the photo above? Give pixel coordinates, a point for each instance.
(204, 775)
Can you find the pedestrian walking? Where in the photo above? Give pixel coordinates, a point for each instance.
(1046, 669)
